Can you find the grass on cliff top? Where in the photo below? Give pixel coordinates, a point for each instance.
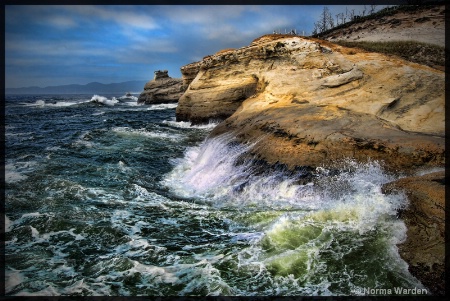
(418, 52)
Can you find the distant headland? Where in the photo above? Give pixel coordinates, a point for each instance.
(90, 88)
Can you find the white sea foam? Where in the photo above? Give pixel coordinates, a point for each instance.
(144, 132)
(12, 174)
(349, 204)
(210, 171)
(12, 279)
(84, 141)
(98, 113)
(103, 100)
(17, 171)
(129, 100)
(7, 224)
(42, 103)
(188, 125)
(163, 106)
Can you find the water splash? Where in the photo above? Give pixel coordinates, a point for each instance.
(103, 100)
(329, 236)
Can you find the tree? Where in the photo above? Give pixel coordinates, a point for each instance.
(372, 9)
(325, 21)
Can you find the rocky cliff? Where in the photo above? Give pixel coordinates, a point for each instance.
(308, 102)
(312, 102)
(162, 89)
(424, 248)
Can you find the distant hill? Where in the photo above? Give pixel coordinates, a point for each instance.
(95, 87)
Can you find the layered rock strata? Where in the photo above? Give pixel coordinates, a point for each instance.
(311, 102)
(424, 247)
(308, 102)
(162, 89)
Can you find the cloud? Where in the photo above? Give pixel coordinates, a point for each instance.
(67, 39)
(122, 15)
(61, 22)
(203, 15)
(62, 48)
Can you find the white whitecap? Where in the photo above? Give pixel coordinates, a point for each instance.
(188, 125)
(103, 100)
(17, 171)
(163, 106)
(146, 133)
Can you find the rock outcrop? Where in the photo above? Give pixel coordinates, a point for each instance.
(162, 89)
(307, 102)
(424, 248)
(311, 102)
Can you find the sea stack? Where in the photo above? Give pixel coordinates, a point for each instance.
(162, 89)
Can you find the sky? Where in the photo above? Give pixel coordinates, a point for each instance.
(78, 44)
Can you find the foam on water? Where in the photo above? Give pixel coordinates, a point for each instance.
(163, 106)
(144, 132)
(17, 171)
(336, 216)
(188, 125)
(42, 103)
(103, 100)
(209, 171)
(103, 216)
(130, 99)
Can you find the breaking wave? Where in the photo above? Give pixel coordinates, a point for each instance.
(103, 100)
(315, 231)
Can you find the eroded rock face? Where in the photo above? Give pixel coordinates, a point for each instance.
(162, 89)
(308, 102)
(311, 102)
(424, 248)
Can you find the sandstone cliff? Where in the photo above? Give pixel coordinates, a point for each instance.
(162, 89)
(308, 102)
(312, 102)
(424, 248)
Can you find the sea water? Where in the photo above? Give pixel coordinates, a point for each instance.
(107, 197)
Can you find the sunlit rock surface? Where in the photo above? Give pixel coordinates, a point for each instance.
(311, 102)
(162, 89)
(307, 102)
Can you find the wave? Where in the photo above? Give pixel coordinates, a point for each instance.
(103, 100)
(188, 125)
(146, 133)
(43, 103)
(17, 171)
(163, 106)
(128, 98)
(313, 227)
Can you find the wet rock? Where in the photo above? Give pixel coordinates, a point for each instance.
(424, 248)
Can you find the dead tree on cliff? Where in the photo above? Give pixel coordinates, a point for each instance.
(325, 21)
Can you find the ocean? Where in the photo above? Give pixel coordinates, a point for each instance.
(104, 197)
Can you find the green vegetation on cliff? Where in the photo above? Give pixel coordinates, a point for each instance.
(422, 53)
